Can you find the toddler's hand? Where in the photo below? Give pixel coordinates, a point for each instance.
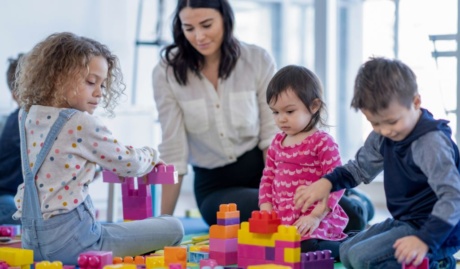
(307, 224)
(266, 206)
(410, 250)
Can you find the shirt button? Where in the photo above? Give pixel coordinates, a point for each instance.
(217, 105)
(221, 135)
(230, 157)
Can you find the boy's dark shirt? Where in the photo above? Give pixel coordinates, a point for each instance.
(10, 156)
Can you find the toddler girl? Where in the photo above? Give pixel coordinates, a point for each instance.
(299, 155)
(61, 82)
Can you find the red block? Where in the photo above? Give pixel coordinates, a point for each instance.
(264, 222)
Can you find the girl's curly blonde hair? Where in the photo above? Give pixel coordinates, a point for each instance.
(57, 63)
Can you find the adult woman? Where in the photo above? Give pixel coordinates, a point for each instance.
(210, 93)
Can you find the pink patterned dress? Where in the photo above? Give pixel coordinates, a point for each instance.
(288, 167)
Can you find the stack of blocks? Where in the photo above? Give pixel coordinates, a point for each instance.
(263, 240)
(223, 236)
(136, 192)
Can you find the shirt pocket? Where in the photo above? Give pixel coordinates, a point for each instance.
(244, 111)
(195, 116)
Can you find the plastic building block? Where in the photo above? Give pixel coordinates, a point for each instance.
(94, 259)
(175, 255)
(208, 262)
(287, 233)
(175, 266)
(224, 258)
(424, 265)
(3, 265)
(10, 230)
(228, 211)
(197, 256)
(248, 238)
(317, 259)
(152, 262)
(162, 174)
(16, 257)
(228, 221)
(48, 265)
(121, 266)
(223, 245)
(270, 266)
(264, 222)
(223, 232)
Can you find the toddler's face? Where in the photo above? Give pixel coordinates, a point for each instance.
(396, 121)
(90, 88)
(290, 113)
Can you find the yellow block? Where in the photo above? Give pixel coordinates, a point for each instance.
(254, 239)
(17, 257)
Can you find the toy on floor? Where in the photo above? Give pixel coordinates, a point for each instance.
(10, 230)
(424, 265)
(223, 237)
(94, 259)
(16, 257)
(136, 192)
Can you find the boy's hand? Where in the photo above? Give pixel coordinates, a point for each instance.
(305, 196)
(307, 224)
(410, 250)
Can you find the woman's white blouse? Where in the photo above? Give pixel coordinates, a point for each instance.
(210, 128)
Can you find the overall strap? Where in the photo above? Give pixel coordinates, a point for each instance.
(30, 198)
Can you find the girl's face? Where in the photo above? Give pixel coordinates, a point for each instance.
(204, 29)
(290, 113)
(90, 87)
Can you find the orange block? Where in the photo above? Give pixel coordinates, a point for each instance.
(228, 211)
(175, 255)
(224, 232)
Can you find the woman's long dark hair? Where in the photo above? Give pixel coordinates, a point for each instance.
(187, 57)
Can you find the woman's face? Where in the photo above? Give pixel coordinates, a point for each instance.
(204, 29)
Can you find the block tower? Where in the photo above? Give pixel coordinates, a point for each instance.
(263, 240)
(136, 192)
(223, 236)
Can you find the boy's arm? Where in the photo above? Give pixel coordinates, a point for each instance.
(366, 165)
(434, 154)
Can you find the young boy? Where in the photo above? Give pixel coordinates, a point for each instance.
(10, 155)
(421, 178)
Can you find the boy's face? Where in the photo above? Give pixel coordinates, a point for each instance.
(396, 121)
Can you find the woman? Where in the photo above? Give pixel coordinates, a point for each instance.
(210, 93)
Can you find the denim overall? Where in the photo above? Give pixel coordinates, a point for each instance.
(63, 237)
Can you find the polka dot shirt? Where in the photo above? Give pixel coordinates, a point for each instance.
(83, 143)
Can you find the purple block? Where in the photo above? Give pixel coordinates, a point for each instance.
(110, 177)
(317, 259)
(163, 174)
(230, 221)
(269, 253)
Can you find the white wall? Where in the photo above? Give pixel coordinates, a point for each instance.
(23, 23)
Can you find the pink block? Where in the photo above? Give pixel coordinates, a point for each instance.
(223, 245)
(175, 266)
(224, 258)
(110, 177)
(424, 265)
(251, 252)
(163, 174)
(10, 230)
(208, 262)
(94, 259)
(287, 244)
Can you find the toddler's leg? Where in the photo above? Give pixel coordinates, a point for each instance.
(373, 248)
(141, 236)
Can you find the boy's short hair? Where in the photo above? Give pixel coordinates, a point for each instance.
(11, 71)
(381, 81)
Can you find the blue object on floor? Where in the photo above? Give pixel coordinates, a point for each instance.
(194, 225)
